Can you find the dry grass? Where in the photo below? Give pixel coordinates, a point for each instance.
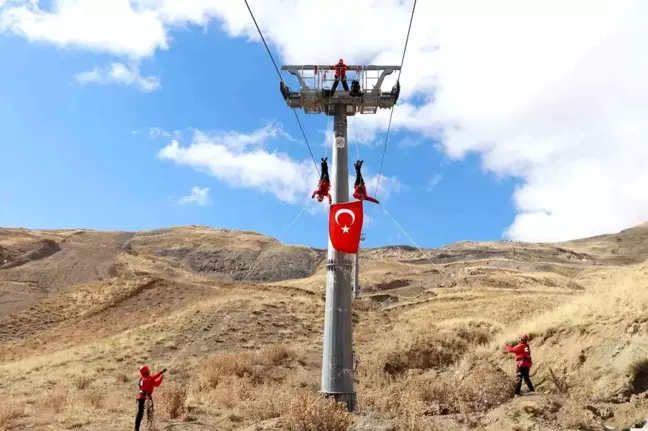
(94, 398)
(431, 347)
(55, 401)
(10, 411)
(82, 382)
(257, 367)
(172, 400)
(310, 412)
(611, 294)
(419, 371)
(268, 402)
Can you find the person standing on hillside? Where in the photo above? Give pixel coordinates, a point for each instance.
(523, 363)
(146, 384)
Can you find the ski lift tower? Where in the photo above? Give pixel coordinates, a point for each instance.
(356, 272)
(337, 352)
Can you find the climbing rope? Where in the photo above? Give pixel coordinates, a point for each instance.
(392, 109)
(355, 136)
(437, 267)
(282, 80)
(258, 261)
(329, 143)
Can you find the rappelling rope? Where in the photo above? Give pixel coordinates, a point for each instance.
(355, 136)
(425, 255)
(329, 144)
(259, 260)
(282, 80)
(392, 109)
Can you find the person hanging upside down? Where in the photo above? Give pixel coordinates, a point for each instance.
(324, 183)
(360, 191)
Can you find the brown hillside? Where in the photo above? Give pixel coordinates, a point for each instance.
(237, 318)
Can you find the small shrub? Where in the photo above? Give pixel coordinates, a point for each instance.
(483, 386)
(268, 403)
(55, 401)
(257, 367)
(95, 398)
(435, 347)
(278, 354)
(10, 411)
(308, 412)
(638, 372)
(423, 352)
(560, 380)
(82, 382)
(173, 398)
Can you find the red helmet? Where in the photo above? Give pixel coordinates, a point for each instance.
(341, 61)
(524, 337)
(144, 371)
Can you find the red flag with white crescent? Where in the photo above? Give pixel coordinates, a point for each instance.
(345, 226)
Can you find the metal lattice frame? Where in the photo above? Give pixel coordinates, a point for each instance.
(315, 99)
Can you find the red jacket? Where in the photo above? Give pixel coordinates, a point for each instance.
(148, 383)
(340, 70)
(522, 354)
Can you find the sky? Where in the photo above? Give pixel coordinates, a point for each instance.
(517, 120)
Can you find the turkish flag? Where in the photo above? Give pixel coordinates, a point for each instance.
(345, 226)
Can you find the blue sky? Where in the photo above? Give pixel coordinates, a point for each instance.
(71, 160)
(81, 155)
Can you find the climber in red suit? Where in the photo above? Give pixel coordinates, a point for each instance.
(324, 183)
(360, 191)
(523, 363)
(340, 75)
(146, 384)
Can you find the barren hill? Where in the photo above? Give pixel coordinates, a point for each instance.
(237, 318)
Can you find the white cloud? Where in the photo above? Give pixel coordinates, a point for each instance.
(121, 74)
(114, 26)
(156, 132)
(198, 196)
(409, 142)
(553, 93)
(242, 160)
(433, 181)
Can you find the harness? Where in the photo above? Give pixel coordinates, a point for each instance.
(142, 394)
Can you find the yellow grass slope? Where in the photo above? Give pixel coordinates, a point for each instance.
(81, 310)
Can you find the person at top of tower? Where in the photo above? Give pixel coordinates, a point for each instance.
(324, 183)
(340, 75)
(360, 191)
(355, 89)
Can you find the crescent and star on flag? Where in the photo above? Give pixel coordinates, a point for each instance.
(345, 228)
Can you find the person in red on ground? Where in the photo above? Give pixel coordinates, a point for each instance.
(324, 183)
(360, 191)
(340, 75)
(523, 363)
(147, 383)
